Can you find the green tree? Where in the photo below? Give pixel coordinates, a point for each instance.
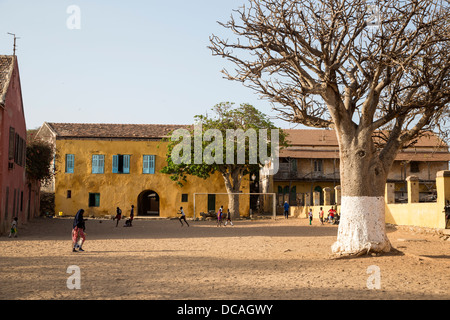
(219, 145)
(39, 160)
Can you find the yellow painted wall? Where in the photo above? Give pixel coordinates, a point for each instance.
(302, 212)
(428, 215)
(122, 190)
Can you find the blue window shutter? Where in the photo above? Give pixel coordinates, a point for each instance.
(115, 164)
(97, 199)
(98, 163)
(146, 164)
(101, 163)
(70, 163)
(126, 163)
(94, 163)
(152, 164)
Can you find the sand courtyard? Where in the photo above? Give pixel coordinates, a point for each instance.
(261, 259)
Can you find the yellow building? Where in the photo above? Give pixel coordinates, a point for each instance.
(99, 167)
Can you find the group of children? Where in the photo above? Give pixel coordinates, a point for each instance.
(219, 217)
(333, 216)
(118, 217)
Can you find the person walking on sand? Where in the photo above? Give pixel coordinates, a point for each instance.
(131, 215)
(310, 214)
(78, 229)
(219, 216)
(286, 209)
(228, 217)
(321, 213)
(118, 216)
(183, 217)
(13, 231)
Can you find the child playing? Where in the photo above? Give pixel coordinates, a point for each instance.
(228, 217)
(310, 214)
(183, 217)
(13, 228)
(118, 215)
(321, 213)
(219, 216)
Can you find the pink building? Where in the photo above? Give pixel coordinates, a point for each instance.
(19, 197)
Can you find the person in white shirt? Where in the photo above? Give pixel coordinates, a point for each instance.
(13, 228)
(183, 217)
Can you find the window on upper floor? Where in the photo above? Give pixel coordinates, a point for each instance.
(318, 165)
(293, 163)
(121, 163)
(414, 166)
(17, 148)
(70, 163)
(98, 163)
(148, 164)
(12, 137)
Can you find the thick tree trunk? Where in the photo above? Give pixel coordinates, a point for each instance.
(362, 215)
(233, 205)
(233, 185)
(361, 226)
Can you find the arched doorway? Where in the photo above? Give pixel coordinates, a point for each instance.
(148, 203)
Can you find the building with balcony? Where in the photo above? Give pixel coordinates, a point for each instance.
(311, 163)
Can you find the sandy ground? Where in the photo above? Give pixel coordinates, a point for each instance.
(254, 259)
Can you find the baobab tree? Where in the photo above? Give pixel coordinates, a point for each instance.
(377, 73)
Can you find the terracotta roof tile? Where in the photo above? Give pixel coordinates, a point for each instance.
(109, 130)
(322, 137)
(311, 137)
(6, 67)
(323, 144)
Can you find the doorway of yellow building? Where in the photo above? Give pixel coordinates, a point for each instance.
(148, 203)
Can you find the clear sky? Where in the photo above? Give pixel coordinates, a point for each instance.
(130, 61)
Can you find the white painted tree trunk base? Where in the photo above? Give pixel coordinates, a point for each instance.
(362, 226)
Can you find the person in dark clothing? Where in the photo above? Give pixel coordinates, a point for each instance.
(447, 215)
(128, 222)
(286, 209)
(131, 214)
(118, 215)
(183, 217)
(78, 229)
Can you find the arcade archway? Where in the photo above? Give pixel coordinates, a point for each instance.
(148, 203)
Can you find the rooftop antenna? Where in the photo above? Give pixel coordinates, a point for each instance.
(14, 47)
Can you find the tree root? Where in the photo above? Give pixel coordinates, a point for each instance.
(365, 252)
